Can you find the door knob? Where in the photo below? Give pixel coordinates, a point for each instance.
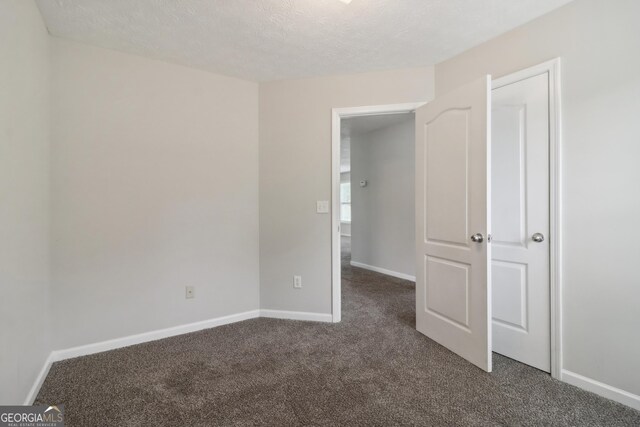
(477, 238)
(538, 237)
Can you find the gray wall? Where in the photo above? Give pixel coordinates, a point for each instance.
(24, 198)
(599, 43)
(383, 212)
(295, 171)
(155, 187)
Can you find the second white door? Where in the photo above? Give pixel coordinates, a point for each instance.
(520, 221)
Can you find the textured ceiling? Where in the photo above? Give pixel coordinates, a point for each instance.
(280, 39)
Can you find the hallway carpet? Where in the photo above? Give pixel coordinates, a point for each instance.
(371, 369)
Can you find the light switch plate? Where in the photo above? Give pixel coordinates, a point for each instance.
(322, 206)
(297, 282)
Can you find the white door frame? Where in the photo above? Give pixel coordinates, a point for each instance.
(336, 115)
(551, 67)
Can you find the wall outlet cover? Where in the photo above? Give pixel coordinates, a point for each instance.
(297, 282)
(189, 292)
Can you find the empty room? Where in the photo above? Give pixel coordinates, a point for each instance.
(319, 212)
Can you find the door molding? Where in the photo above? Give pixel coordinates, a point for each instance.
(336, 115)
(552, 68)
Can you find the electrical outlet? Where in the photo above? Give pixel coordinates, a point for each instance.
(297, 282)
(189, 292)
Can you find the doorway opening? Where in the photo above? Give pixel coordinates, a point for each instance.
(377, 180)
(369, 171)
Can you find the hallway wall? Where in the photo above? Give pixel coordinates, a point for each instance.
(383, 224)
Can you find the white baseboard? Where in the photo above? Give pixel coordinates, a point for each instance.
(602, 389)
(151, 336)
(99, 347)
(384, 271)
(35, 388)
(297, 315)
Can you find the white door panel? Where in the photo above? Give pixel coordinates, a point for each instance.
(508, 175)
(510, 282)
(452, 200)
(447, 193)
(520, 208)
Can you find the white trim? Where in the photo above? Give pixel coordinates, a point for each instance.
(384, 271)
(84, 350)
(112, 344)
(35, 388)
(296, 315)
(336, 115)
(551, 67)
(601, 389)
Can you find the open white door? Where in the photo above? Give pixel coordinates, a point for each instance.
(453, 295)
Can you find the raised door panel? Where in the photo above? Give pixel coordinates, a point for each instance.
(508, 164)
(446, 189)
(447, 293)
(510, 294)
